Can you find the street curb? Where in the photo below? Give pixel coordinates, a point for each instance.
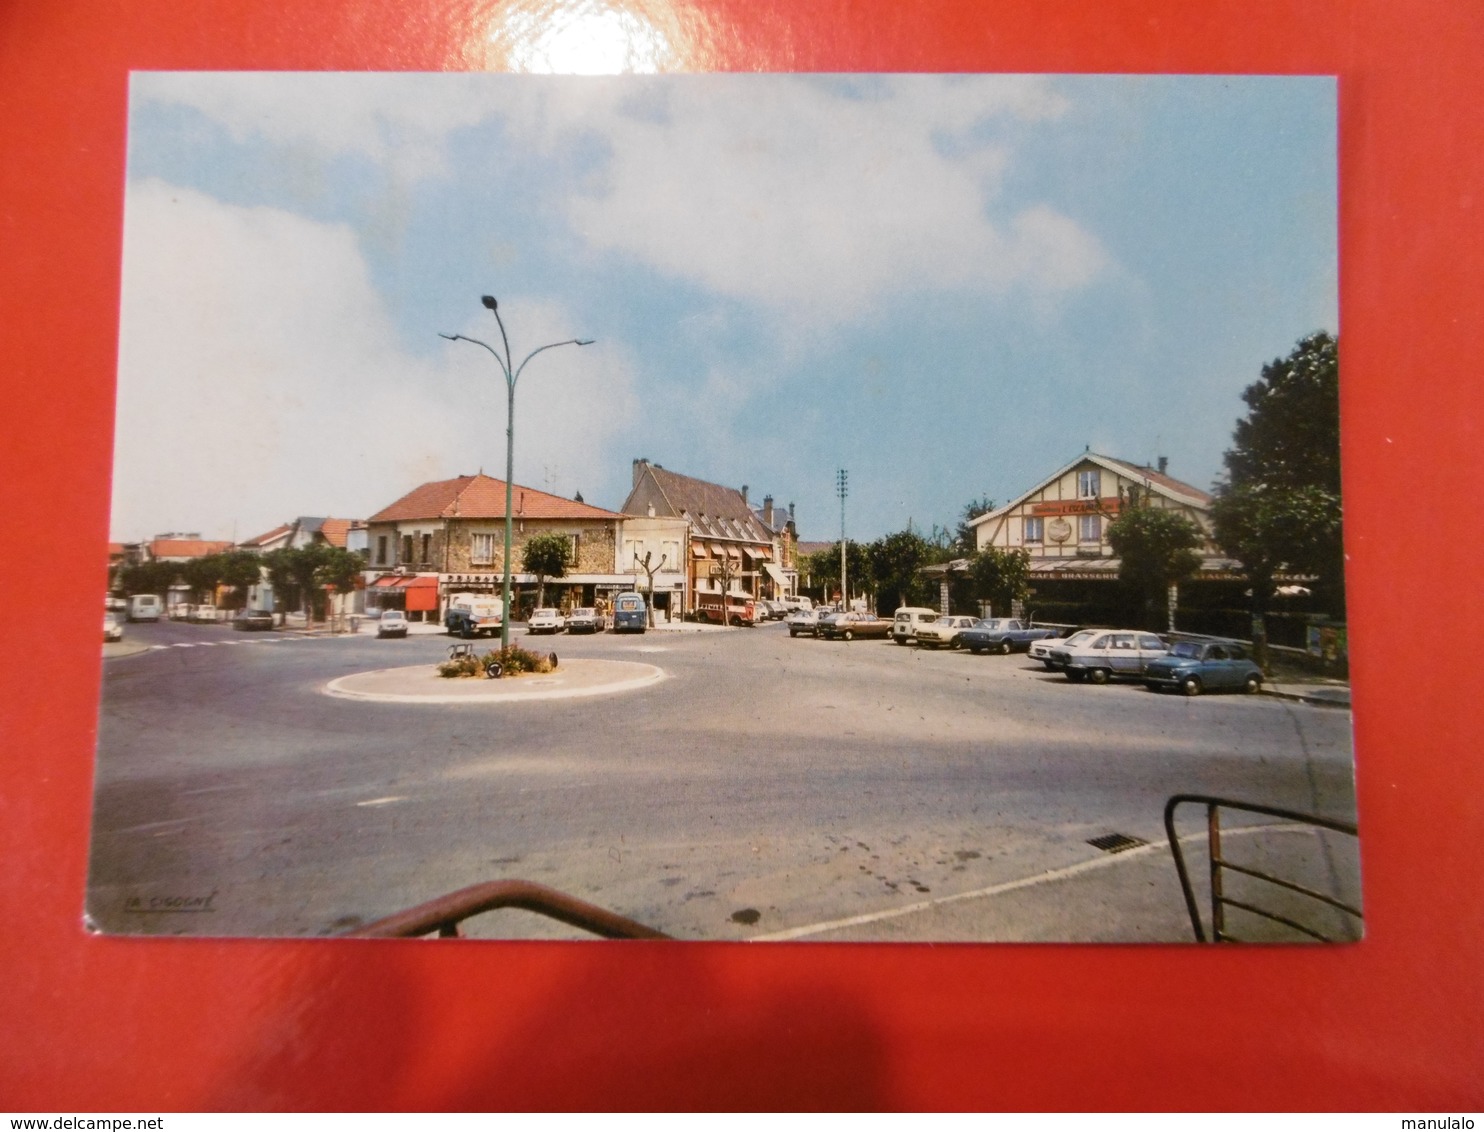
(497, 691)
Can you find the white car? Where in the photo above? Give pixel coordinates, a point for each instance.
(1041, 650)
(1120, 652)
(545, 621)
(803, 621)
(393, 623)
(113, 626)
(906, 620)
(943, 632)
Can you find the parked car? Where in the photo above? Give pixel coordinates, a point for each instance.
(1003, 635)
(252, 619)
(1121, 652)
(797, 601)
(393, 623)
(181, 611)
(803, 621)
(1042, 650)
(545, 621)
(586, 620)
(113, 626)
(630, 614)
(943, 632)
(204, 613)
(1194, 666)
(847, 626)
(825, 619)
(774, 610)
(907, 619)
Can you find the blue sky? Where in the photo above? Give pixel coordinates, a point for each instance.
(948, 285)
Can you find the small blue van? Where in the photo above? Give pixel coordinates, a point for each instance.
(630, 614)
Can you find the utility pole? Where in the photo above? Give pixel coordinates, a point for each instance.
(842, 489)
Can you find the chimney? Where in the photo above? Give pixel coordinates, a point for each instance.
(1164, 462)
(768, 511)
(744, 493)
(639, 466)
(790, 512)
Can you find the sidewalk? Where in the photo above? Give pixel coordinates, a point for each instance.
(1330, 693)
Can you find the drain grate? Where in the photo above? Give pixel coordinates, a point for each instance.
(1116, 842)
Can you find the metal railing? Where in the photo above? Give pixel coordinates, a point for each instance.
(1220, 866)
(443, 914)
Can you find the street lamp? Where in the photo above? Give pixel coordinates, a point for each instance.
(512, 375)
(842, 489)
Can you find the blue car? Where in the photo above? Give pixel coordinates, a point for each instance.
(1195, 666)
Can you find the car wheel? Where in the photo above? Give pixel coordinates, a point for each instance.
(1076, 677)
(1049, 666)
(1191, 685)
(901, 641)
(1253, 684)
(465, 632)
(793, 632)
(1004, 648)
(847, 635)
(1098, 675)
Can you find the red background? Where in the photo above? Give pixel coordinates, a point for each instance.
(1394, 1023)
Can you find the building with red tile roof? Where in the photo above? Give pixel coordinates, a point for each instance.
(448, 536)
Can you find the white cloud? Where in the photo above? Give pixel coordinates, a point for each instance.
(818, 196)
(259, 379)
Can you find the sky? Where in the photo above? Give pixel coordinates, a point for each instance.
(949, 286)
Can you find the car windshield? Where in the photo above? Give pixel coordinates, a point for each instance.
(582, 613)
(1081, 637)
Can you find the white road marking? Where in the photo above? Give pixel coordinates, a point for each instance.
(1051, 875)
(383, 801)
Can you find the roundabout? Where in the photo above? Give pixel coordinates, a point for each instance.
(421, 684)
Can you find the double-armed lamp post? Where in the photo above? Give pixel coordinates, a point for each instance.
(512, 375)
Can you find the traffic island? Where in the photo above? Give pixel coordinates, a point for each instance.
(421, 684)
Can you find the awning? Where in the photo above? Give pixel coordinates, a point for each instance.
(386, 581)
(776, 574)
(697, 550)
(754, 552)
(716, 549)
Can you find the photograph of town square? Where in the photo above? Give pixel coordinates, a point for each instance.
(753, 508)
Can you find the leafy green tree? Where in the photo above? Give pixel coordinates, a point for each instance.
(281, 576)
(203, 575)
(964, 538)
(149, 578)
(1280, 509)
(546, 556)
(896, 561)
(824, 569)
(1157, 549)
(1001, 577)
(241, 569)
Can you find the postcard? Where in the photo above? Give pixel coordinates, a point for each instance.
(728, 507)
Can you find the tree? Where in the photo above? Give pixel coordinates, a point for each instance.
(149, 578)
(203, 575)
(280, 566)
(1280, 508)
(964, 537)
(1001, 577)
(241, 569)
(896, 561)
(824, 568)
(546, 556)
(1157, 549)
(650, 568)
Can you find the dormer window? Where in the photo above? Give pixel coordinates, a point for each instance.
(1089, 484)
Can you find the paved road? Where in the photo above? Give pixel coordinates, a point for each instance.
(769, 787)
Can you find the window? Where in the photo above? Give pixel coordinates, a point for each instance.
(1089, 484)
(381, 550)
(1089, 528)
(482, 549)
(1034, 528)
(1151, 643)
(406, 549)
(427, 549)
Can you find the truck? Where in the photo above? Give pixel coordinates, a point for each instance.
(740, 610)
(474, 615)
(145, 607)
